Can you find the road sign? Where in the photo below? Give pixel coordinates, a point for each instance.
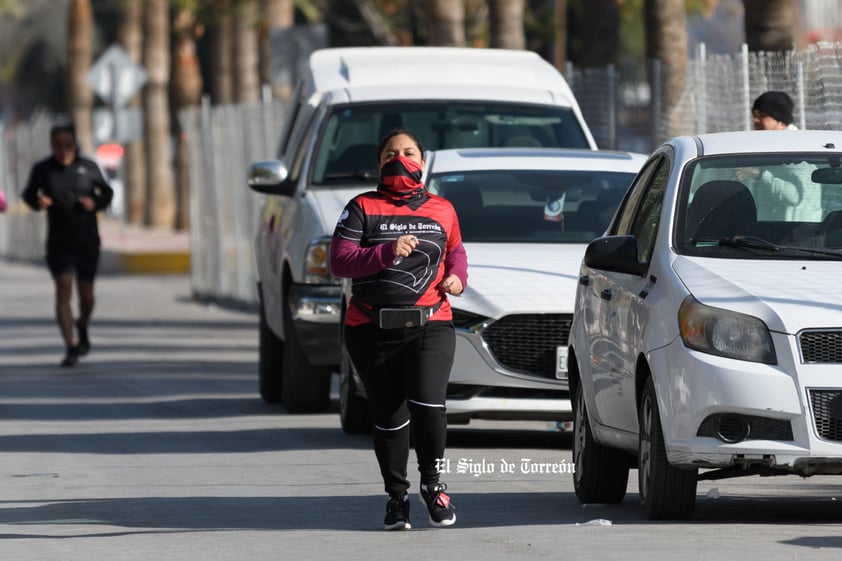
(115, 77)
(117, 125)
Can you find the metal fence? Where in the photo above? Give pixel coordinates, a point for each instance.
(617, 103)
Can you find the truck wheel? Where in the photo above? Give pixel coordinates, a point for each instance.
(601, 473)
(665, 491)
(353, 409)
(306, 388)
(270, 363)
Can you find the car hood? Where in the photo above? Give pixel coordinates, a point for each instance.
(330, 202)
(787, 295)
(520, 278)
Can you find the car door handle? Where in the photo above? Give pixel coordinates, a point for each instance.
(585, 280)
(605, 294)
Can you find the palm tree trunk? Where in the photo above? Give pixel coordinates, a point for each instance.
(157, 112)
(446, 23)
(278, 14)
(79, 37)
(769, 25)
(130, 37)
(222, 52)
(600, 34)
(186, 95)
(246, 75)
(666, 33)
(560, 35)
(507, 24)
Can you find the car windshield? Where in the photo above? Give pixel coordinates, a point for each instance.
(347, 148)
(545, 206)
(762, 206)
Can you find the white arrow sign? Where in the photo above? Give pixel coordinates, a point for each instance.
(115, 77)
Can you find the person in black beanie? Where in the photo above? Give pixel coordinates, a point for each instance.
(772, 110)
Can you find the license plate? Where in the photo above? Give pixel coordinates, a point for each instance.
(561, 363)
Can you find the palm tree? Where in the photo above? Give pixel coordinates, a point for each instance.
(156, 58)
(507, 24)
(222, 52)
(246, 76)
(445, 22)
(601, 33)
(277, 14)
(79, 47)
(769, 25)
(186, 87)
(560, 35)
(130, 37)
(666, 33)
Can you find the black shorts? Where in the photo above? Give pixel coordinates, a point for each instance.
(83, 263)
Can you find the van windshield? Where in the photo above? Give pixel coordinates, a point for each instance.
(347, 150)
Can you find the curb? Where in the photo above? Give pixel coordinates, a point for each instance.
(143, 262)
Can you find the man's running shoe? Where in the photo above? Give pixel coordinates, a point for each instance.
(84, 343)
(397, 514)
(71, 358)
(442, 512)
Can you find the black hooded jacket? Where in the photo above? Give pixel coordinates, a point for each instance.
(70, 226)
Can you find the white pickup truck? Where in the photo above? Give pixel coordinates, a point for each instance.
(347, 99)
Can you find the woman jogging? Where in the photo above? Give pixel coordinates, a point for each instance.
(402, 248)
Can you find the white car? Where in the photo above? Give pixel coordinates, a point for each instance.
(526, 215)
(707, 335)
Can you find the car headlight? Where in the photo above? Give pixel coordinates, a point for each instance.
(317, 263)
(724, 333)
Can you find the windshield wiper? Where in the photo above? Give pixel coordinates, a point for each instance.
(356, 175)
(753, 242)
(748, 242)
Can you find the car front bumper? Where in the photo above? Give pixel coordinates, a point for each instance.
(699, 387)
(482, 388)
(315, 313)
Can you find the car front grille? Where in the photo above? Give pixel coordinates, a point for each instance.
(827, 413)
(821, 346)
(527, 342)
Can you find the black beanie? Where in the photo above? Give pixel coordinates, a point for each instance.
(777, 105)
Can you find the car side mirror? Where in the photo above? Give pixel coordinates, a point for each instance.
(616, 254)
(270, 177)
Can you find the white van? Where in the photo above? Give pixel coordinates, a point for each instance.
(346, 101)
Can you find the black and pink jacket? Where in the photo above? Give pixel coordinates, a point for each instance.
(363, 250)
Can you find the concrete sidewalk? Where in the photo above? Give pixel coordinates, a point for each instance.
(127, 248)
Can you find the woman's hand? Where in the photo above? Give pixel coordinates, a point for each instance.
(451, 285)
(87, 203)
(404, 245)
(44, 201)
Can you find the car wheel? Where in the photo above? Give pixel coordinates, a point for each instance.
(601, 473)
(270, 363)
(665, 491)
(306, 388)
(353, 409)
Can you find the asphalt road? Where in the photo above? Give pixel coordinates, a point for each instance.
(157, 446)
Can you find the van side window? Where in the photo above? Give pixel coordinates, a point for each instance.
(300, 154)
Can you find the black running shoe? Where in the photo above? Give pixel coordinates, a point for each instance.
(84, 345)
(71, 358)
(442, 512)
(397, 514)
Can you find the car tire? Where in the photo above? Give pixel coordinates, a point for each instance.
(270, 363)
(666, 492)
(601, 473)
(306, 388)
(353, 409)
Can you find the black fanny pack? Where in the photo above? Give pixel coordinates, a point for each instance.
(400, 317)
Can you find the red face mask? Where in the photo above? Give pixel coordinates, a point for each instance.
(400, 178)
